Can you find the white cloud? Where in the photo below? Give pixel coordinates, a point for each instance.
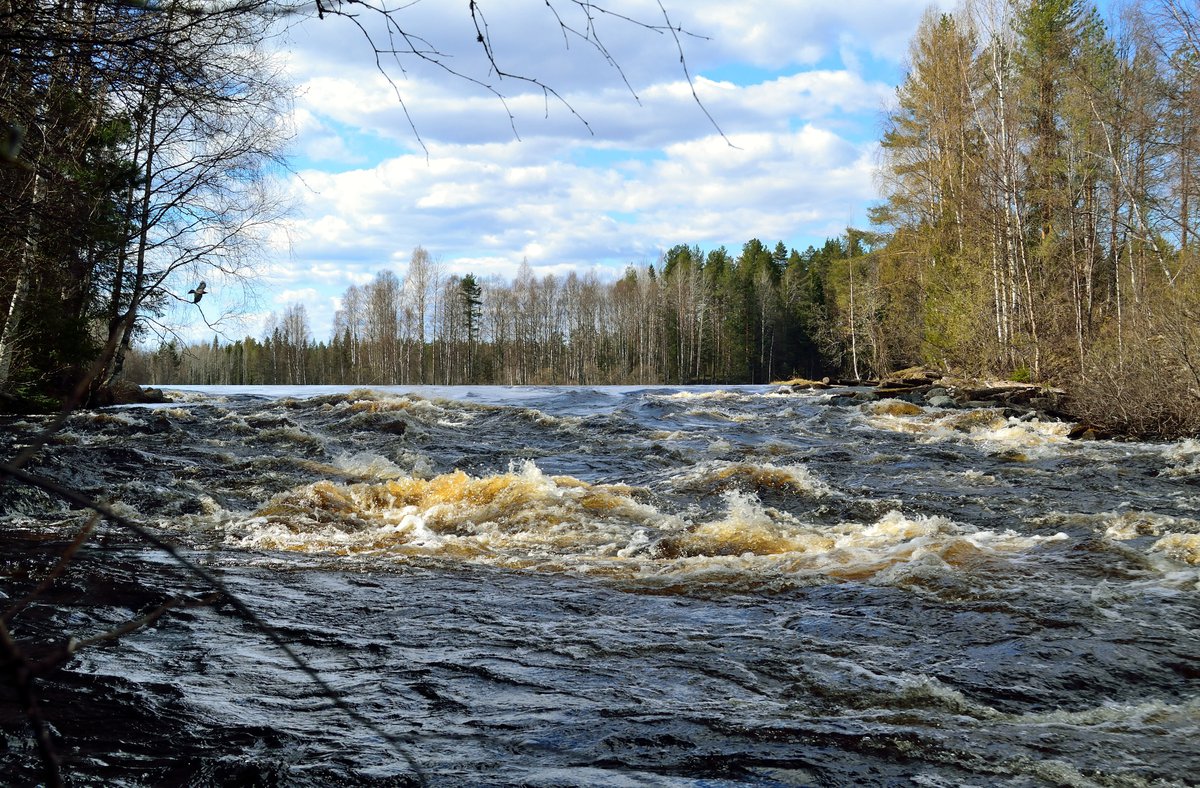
(304, 295)
(668, 112)
(705, 190)
(777, 35)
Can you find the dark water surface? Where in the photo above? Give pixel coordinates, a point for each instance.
(617, 586)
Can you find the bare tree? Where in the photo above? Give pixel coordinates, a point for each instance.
(295, 334)
(421, 286)
(382, 328)
(349, 323)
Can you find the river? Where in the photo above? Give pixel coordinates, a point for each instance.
(615, 586)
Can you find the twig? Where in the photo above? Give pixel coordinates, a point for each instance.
(691, 83)
(18, 666)
(79, 499)
(63, 561)
(73, 645)
(424, 50)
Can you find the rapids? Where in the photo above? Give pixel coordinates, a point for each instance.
(615, 586)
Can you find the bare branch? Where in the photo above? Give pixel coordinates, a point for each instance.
(418, 47)
(74, 645)
(691, 83)
(398, 744)
(14, 662)
(64, 561)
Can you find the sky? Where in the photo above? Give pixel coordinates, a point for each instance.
(610, 170)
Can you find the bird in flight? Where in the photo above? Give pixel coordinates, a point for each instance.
(198, 293)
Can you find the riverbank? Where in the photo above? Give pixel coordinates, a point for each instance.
(119, 393)
(922, 387)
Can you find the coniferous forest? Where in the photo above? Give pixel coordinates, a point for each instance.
(1037, 182)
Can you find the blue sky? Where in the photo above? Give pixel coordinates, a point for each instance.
(798, 88)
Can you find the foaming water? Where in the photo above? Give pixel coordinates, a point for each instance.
(987, 428)
(1183, 459)
(759, 476)
(621, 586)
(524, 519)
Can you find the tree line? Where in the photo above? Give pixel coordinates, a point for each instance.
(692, 317)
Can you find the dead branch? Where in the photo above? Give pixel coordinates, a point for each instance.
(412, 45)
(24, 678)
(64, 561)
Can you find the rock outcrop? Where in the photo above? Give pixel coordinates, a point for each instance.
(123, 393)
(923, 387)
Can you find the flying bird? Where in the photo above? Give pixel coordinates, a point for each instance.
(198, 293)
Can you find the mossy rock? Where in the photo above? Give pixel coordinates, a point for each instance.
(804, 383)
(894, 407)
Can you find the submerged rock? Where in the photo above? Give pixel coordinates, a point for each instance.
(158, 424)
(1089, 432)
(392, 426)
(125, 393)
(978, 418)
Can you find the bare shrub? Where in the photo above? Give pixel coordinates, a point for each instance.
(1142, 379)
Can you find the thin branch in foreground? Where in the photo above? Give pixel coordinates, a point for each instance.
(688, 74)
(73, 645)
(418, 47)
(73, 496)
(14, 662)
(63, 562)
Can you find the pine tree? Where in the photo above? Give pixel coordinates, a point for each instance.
(472, 302)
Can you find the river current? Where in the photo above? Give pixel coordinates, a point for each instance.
(615, 586)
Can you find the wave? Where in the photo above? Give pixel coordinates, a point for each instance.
(988, 428)
(526, 520)
(759, 477)
(1179, 547)
(1183, 459)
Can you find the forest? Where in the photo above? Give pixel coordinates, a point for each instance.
(1039, 190)
(1037, 183)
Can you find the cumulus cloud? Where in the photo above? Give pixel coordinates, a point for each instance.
(778, 35)
(465, 202)
(304, 295)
